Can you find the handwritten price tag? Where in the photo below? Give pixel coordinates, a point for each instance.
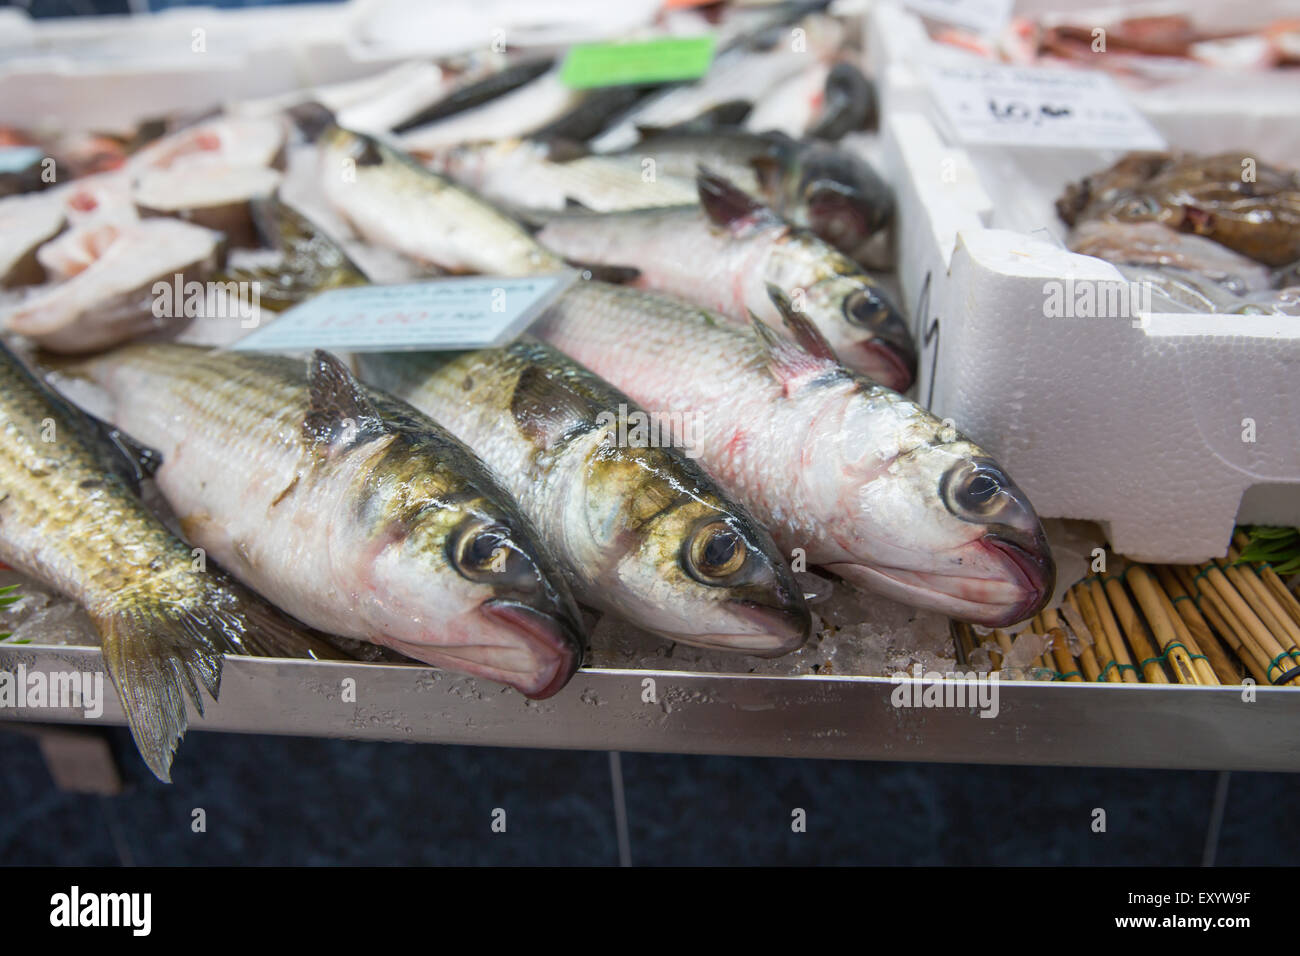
(1022, 106)
(459, 313)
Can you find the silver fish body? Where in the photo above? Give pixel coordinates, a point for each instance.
(393, 201)
(868, 484)
(641, 531)
(726, 253)
(348, 509)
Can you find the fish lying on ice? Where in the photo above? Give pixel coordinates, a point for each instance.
(640, 529)
(348, 509)
(868, 484)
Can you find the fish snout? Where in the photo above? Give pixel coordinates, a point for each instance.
(1027, 561)
(554, 642)
(777, 630)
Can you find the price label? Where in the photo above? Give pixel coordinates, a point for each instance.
(458, 313)
(1025, 106)
(983, 16)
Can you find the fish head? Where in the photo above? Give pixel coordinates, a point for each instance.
(839, 197)
(869, 334)
(694, 567)
(491, 603)
(941, 525)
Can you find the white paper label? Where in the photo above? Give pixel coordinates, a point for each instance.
(983, 16)
(1026, 106)
(458, 313)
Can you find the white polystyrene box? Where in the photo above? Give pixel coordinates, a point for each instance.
(1137, 423)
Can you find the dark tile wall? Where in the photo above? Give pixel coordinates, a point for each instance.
(284, 800)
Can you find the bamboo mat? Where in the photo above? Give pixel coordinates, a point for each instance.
(1214, 623)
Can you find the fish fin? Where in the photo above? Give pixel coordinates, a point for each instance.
(272, 633)
(312, 118)
(340, 409)
(545, 410)
(606, 272)
(158, 652)
(575, 205)
(807, 335)
(730, 113)
(728, 206)
(133, 461)
(788, 362)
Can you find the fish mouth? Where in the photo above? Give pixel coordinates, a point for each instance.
(776, 631)
(889, 364)
(1035, 568)
(999, 600)
(548, 636)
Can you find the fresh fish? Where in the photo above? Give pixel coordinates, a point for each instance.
(868, 484)
(309, 261)
(391, 200)
(792, 107)
(113, 269)
(69, 519)
(348, 509)
(1249, 206)
(725, 253)
(818, 186)
(527, 175)
(849, 103)
(478, 90)
(640, 530)
(517, 113)
(592, 113)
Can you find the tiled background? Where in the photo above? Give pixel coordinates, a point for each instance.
(283, 800)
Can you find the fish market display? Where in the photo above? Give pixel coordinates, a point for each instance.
(392, 200)
(825, 188)
(107, 295)
(1254, 213)
(641, 530)
(348, 509)
(69, 518)
(862, 481)
(1207, 234)
(725, 253)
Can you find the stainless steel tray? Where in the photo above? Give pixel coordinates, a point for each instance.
(1123, 725)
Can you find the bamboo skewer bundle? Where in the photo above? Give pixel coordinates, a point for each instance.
(1123, 661)
(1195, 627)
(1139, 637)
(1167, 635)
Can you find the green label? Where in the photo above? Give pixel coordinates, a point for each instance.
(590, 65)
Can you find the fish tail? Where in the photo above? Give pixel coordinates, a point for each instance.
(158, 653)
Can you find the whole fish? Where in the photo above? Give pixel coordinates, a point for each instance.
(348, 509)
(393, 201)
(70, 519)
(725, 254)
(819, 186)
(868, 484)
(640, 529)
(531, 175)
(479, 88)
(1152, 244)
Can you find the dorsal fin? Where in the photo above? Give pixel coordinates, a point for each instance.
(728, 206)
(545, 410)
(789, 363)
(807, 335)
(340, 413)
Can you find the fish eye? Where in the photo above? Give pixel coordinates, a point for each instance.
(483, 551)
(1140, 207)
(715, 552)
(863, 309)
(976, 490)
